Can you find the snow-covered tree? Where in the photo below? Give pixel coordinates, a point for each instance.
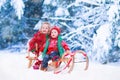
(18, 6)
(90, 25)
(87, 25)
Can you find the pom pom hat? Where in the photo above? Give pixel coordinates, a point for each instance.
(56, 28)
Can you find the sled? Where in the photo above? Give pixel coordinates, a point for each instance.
(69, 60)
(32, 56)
(66, 62)
(31, 59)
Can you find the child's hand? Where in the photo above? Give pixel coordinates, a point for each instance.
(40, 53)
(40, 57)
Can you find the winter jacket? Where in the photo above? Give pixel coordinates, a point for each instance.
(39, 39)
(56, 44)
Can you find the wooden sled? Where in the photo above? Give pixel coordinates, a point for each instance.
(31, 56)
(69, 60)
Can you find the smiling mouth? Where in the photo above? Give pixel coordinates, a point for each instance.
(44, 31)
(53, 35)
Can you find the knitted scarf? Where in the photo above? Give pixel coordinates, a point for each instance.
(60, 48)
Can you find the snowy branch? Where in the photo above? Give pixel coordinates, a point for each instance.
(2, 2)
(18, 6)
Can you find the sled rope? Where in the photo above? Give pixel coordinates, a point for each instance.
(67, 65)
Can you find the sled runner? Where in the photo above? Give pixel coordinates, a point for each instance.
(31, 59)
(69, 59)
(32, 55)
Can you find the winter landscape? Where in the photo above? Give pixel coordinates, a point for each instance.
(89, 25)
(14, 67)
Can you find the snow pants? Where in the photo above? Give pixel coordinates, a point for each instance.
(53, 55)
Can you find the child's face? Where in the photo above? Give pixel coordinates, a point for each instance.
(45, 28)
(54, 33)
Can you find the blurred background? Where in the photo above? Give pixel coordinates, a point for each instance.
(89, 25)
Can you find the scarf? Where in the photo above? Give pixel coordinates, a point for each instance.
(60, 48)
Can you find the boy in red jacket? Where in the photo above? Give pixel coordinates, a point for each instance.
(37, 41)
(53, 49)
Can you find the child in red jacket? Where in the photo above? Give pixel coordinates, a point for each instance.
(53, 49)
(37, 41)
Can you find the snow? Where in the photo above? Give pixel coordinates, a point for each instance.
(61, 12)
(113, 11)
(103, 34)
(18, 6)
(47, 2)
(2, 2)
(13, 66)
(37, 26)
(102, 19)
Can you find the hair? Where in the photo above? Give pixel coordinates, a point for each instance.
(47, 23)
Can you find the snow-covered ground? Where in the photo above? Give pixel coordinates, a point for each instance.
(13, 66)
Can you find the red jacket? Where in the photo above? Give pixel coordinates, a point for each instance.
(38, 38)
(53, 46)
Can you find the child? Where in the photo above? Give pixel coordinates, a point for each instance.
(37, 41)
(53, 49)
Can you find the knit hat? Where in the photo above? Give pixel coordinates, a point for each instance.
(56, 28)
